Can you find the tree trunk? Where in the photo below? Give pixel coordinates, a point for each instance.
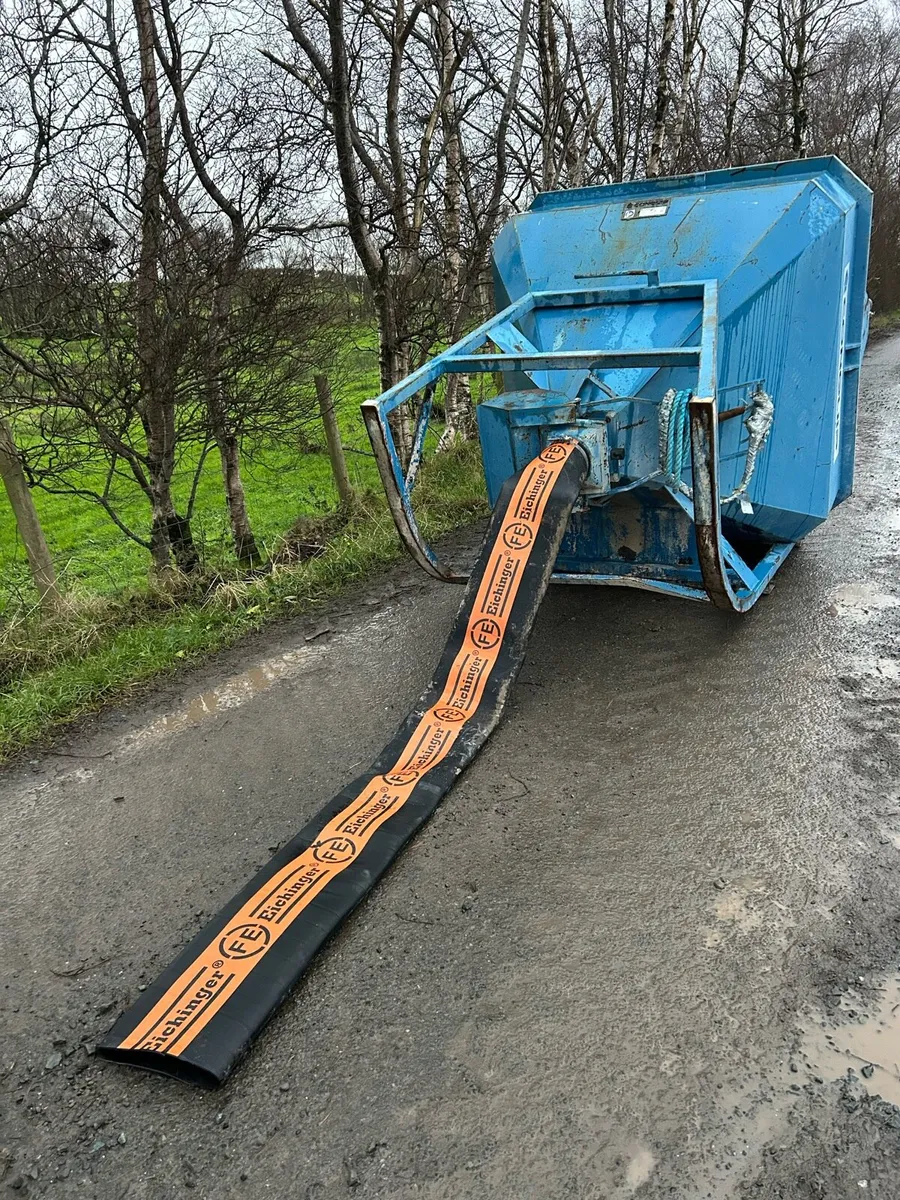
(222, 428)
(333, 441)
(691, 40)
(27, 522)
(168, 529)
(458, 411)
(393, 357)
(654, 162)
(739, 73)
(245, 547)
(799, 114)
(457, 397)
(548, 96)
(617, 70)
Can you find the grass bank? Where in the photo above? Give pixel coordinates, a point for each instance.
(109, 644)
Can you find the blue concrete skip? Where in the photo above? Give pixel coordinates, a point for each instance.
(738, 287)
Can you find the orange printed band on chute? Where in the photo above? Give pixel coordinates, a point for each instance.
(200, 991)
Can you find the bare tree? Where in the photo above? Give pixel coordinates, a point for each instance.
(559, 106)
(617, 87)
(457, 399)
(800, 33)
(663, 92)
(855, 113)
(383, 75)
(112, 57)
(33, 121)
(168, 529)
(693, 15)
(223, 256)
(745, 10)
(209, 173)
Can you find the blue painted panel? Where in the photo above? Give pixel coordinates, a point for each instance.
(787, 245)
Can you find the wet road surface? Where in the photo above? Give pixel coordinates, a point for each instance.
(649, 946)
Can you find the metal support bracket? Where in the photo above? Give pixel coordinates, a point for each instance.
(397, 489)
(712, 548)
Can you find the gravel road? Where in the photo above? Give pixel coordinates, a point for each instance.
(649, 946)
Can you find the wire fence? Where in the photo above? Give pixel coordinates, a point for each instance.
(283, 483)
(291, 497)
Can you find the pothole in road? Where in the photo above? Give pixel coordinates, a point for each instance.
(869, 1042)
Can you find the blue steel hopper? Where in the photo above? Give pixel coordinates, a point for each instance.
(701, 337)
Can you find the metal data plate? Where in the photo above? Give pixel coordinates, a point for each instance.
(636, 209)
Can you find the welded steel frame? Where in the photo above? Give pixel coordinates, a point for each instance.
(729, 581)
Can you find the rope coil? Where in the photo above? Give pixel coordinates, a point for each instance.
(758, 424)
(675, 439)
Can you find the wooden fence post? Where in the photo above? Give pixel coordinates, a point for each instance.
(42, 570)
(333, 440)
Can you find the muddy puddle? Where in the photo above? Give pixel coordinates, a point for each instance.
(860, 600)
(874, 668)
(232, 693)
(867, 1039)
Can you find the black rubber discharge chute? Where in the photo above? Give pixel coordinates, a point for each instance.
(201, 1016)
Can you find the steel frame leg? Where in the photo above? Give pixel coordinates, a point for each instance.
(398, 497)
(712, 547)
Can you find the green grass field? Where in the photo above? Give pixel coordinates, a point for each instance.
(122, 627)
(282, 483)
